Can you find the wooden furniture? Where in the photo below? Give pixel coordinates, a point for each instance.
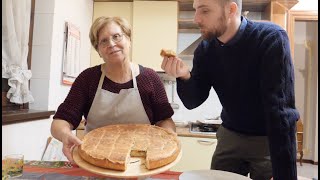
(265, 10)
(300, 140)
(294, 16)
(154, 26)
(196, 153)
(80, 132)
(24, 115)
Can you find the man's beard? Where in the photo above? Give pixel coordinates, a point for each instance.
(215, 32)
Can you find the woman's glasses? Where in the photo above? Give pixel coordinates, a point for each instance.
(115, 38)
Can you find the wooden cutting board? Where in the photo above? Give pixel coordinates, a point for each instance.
(136, 167)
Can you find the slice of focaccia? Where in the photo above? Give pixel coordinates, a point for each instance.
(168, 53)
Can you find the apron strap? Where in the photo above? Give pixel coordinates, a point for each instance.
(135, 72)
(102, 76)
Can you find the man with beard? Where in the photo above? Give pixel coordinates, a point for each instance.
(249, 66)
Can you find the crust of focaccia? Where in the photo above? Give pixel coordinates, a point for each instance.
(120, 165)
(158, 156)
(103, 148)
(168, 53)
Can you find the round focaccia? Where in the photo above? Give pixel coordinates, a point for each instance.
(112, 146)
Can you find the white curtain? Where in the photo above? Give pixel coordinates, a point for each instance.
(15, 37)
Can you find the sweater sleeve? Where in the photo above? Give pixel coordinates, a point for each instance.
(195, 91)
(160, 105)
(277, 88)
(72, 108)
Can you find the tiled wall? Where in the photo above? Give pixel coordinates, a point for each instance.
(211, 108)
(46, 68)
(41, 53)
(47, 50)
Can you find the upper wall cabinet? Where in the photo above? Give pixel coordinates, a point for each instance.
(154, 26)
(260, 10)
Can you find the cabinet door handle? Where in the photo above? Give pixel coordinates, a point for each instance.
(205, 142)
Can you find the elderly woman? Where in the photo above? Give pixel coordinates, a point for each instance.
(115, 92)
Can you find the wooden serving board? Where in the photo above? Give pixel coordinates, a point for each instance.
(136, 167)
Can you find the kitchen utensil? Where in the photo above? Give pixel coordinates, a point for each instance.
(211, 175)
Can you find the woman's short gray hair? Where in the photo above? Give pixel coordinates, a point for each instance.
(101, 22)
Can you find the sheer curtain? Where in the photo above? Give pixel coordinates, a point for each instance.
(15, 37)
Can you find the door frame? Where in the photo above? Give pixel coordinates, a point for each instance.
(295, 15)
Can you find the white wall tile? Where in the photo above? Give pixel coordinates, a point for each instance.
(80, 14)
(211, 108)
(34, 134)
(42, 32)
(44, 6)
(40, 92)
(40, 64)
(185, 40)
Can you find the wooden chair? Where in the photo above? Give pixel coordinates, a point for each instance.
(80, 131)
(53, 151)
(300, 140)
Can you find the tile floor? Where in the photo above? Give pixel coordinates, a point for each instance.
(308, 170)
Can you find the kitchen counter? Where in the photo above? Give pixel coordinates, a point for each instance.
(184, 131)
(181, 131)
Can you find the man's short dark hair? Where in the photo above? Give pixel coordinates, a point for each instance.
(238, 2)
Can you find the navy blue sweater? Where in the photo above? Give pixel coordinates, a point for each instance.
(253, 77)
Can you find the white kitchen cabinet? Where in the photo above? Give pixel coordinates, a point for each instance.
(196, 153)
(122, 9)
(154, 26)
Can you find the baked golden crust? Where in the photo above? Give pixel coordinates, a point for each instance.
(168, 53)
(111, 146)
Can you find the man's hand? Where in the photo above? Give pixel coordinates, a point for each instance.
(175, 67)
(69, 141)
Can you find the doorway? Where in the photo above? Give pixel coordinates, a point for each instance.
(303, 30)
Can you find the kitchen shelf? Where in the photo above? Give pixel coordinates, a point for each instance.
(247, 5)
(270, 10)
(187, 24)
(24, 115)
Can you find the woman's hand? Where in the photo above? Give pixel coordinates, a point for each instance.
(61, 130)
(69, 141)
(167, 124)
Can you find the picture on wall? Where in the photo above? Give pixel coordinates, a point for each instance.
(71, 54)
